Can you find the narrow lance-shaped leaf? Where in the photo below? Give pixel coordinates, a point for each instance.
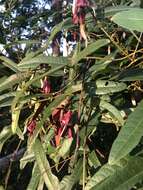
(110, 11)
(105, 172)
(123, 178)
(35, 178)
(112, 109)
(12, 80)
(129, 136)
(101, 87)
(41, 184)
(5, 134)
(25, 42)
(131, 74)
(15, 117)
(63, 150)
(51, 181)
(68, 181)
(32, 63)
(91, 48)
(131, 19)
(10, 64)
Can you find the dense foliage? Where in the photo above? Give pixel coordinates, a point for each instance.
(71, 95)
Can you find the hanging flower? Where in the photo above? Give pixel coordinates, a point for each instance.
(78, 11)
(79, 14)
(62, 120)
(31, 126)
(56, 114)
(46, 87)
(66, 118)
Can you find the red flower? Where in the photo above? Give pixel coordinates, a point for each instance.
(78, 11)
(62, 121)
(31, 126)
(58, 136)
(46, 87)
(70, 135)
(56, 114)
(82, 3)
(66, 118)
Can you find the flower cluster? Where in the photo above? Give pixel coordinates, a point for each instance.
(78, 11)
(62, 119)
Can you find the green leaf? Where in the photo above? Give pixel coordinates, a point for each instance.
(41, 184)
(123, 177)
(5, 103)
(68, 181)
(131, 75)
(32, 63)
(63, 150)
(26, 42)
(51, 181)
(10, 64)
(129, 136)
(12, 80)
(110, 11)
(15, 118)
(112, 109)
(1, 187)
(131, 19)
(105, 172)
(27, 157)
(101, 87)
(93, 160)
(5, 134)
(35, 178)
(91, 48)
(7, 95)
(100, 65)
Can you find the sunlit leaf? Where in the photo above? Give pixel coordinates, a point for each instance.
(101, 87)
(121, 177)
(68, 181)
(33, 63)
(51, 181)
(35, 178)
(5, 134)
(131, 75)
(129, 136)
(131, 19)
(112, 109)
(12, 80)
(10, 64)
(105, 172)
(91, 48)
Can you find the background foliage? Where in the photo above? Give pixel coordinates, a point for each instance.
(74, 121)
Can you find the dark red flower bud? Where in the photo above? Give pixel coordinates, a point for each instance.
(82, 3)
(66, 118)
(46, 87)
(56, 114)
(31, 126)
(78, 11)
